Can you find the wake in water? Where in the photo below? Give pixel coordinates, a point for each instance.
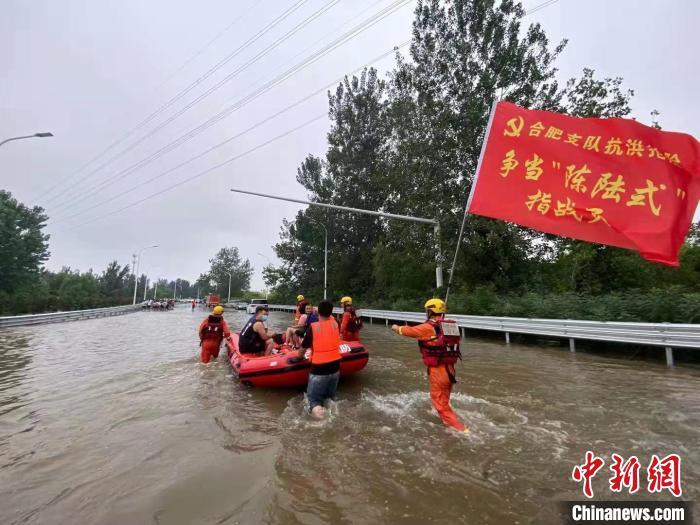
(297, 415)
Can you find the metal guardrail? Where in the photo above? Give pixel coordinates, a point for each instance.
(666, 335)
(59, 317)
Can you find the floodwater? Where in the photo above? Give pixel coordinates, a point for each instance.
(114, 421)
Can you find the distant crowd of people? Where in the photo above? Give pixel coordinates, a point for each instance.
(159, 304)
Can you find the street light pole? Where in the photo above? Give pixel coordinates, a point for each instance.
(145, 289)
(175, 290)
(229, 287)
(434, 222)
(40, 135)
(268, 262)
(155, 290)
(325, 260)
(136, 270)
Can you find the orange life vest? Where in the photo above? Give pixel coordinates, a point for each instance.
(355, 323)
(441, 349)
(214, 329)
(325, 345)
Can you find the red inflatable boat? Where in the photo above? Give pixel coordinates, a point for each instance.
(273, 371)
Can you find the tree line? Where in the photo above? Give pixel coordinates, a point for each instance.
(26, 286)
(409, 143)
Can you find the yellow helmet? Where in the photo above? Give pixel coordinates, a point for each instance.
(346, 300)
(436, 305)
(300, 297)
(218, 310)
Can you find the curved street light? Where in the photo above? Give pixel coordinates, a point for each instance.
(433, 222)
(39, 135)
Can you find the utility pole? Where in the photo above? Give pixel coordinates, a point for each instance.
(155, 290)
(175, 290)
(433, 222)
(229, 287)
(269, 262)
(133, 272)
(145, 289)
(137, 261)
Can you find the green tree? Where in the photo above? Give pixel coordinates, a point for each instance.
(411, 147)
(23, 245)
(116, 281)
(227, 262)
(352, 174)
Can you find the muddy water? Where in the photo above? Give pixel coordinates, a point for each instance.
(114, 421)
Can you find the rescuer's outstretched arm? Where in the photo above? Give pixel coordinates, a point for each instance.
(423, 331)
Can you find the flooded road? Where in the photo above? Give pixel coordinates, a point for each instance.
(114, 421)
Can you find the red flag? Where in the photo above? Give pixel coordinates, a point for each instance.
(610, 181)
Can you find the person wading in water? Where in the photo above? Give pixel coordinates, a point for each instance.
(350, 324)
(323, 339)
(212, 331)
(438, 341)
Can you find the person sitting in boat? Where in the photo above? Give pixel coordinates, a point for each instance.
(211, 332)
(291, 337)
(255, 338)
(350, 324)
(311, 317)
(301, 307)
(323, 339)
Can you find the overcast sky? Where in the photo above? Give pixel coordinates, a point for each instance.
(91, 70)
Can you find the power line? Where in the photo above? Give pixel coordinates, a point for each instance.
(204, 172)
(208, 92)
(234, 137)
(314, 57)
(540, 6)
(189, 88)
(206, 46)
(228, 161)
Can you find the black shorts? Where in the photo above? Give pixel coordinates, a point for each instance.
(258, 347)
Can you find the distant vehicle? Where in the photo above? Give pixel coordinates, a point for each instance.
(254, 304)
(241, 305)
(213, 299)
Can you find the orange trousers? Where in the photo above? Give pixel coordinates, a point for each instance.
(210, 350)
(440, 391)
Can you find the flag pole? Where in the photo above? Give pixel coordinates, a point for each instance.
(471, 194)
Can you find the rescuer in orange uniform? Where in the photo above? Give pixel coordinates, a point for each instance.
(350, 324)
(323, 339)
(438, 341)
(211, 332)
(301, 307)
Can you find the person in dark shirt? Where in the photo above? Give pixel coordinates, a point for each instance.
(255, 338)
